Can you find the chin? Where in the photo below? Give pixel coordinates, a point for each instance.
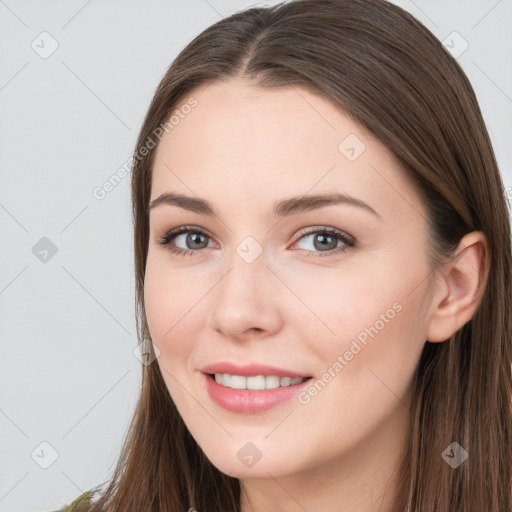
(262, 469)
(243, 459)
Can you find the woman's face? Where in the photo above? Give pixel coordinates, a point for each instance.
(266, 285)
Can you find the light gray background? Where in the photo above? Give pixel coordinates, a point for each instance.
(68, 373)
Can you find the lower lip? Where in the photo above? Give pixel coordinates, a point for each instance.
(249, 401)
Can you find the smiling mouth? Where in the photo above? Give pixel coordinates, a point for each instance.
(256, 383)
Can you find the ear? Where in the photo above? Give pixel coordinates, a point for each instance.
(460, 290)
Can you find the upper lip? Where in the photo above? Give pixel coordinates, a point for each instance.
(250, 370)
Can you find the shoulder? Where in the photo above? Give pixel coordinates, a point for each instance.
(80, 504)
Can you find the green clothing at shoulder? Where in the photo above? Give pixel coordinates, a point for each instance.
(81, 504)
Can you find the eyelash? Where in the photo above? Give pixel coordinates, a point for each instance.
(339, 235)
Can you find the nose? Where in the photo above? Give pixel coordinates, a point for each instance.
(247, 300)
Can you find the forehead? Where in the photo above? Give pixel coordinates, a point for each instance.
(242, 143)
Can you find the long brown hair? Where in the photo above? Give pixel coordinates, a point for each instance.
(392, 75)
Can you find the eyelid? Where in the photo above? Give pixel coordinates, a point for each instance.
(173, 233)
(324, 229)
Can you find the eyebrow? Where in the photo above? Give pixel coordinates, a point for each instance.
(283, 208)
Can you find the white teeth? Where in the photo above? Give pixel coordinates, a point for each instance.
(256, 383)
(237, 381)
(271, 382)
(286, 381)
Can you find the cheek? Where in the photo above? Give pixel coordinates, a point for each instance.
(167, 319)
(175, 306)
(165, 296)
(337, 305)
(380, 352)
(371, 319)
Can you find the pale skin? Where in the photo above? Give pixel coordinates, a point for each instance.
(243, 148)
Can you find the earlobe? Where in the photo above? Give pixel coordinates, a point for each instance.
(463, 283)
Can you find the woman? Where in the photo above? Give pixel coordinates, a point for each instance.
(341, 336)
